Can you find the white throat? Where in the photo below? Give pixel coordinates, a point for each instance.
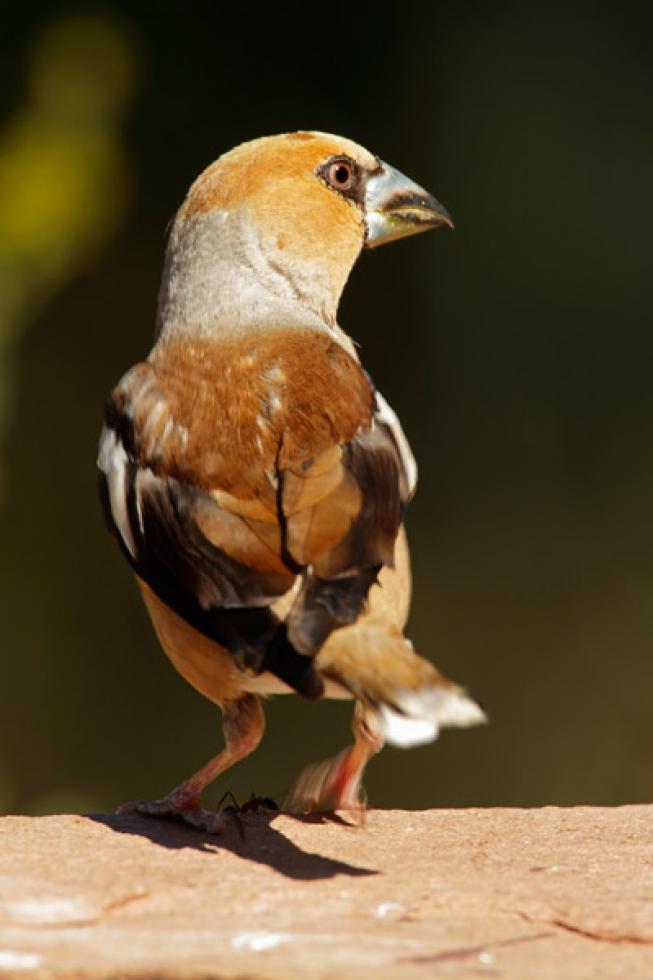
(222, 276)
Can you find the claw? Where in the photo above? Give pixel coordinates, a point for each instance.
(181, 806)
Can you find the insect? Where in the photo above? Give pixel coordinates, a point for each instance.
(255, 804)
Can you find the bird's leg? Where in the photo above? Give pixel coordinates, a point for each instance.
(336, 783)
(243, 723)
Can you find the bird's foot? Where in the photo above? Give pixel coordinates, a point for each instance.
(184, 804)
(331, 785)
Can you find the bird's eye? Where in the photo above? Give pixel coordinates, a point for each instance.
(341, 175)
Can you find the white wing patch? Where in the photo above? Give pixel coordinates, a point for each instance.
(112, 460)
(386, 416)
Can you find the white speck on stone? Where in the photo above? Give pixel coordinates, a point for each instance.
(48, 911)
(387, 909)
(13, 960)
(258, 941)
(485, 958)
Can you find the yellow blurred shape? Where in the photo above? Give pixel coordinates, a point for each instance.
(59, 192)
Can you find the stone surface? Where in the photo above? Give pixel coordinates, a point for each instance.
(469, 893)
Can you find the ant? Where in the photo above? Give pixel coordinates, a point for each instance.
(255, 804)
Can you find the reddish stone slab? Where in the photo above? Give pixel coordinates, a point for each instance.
(468, 893)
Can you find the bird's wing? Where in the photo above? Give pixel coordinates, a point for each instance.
(229, 470)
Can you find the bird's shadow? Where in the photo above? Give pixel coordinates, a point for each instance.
(261, 843)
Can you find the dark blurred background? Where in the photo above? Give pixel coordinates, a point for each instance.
(517, 351)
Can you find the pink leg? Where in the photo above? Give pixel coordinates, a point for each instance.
(243, 723)
(336, 783)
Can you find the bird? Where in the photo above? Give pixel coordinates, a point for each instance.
(256, 480)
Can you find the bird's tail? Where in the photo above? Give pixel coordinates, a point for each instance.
(411, 699)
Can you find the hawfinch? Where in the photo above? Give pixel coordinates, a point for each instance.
(256, 480)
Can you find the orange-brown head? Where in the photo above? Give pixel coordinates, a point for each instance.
(268, 233)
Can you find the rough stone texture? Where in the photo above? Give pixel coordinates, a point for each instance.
(468, 893)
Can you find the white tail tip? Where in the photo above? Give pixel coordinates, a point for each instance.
(423, 713)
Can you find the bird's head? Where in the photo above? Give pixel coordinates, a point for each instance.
(268, 233)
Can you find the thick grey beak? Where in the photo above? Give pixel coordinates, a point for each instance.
(395, 207)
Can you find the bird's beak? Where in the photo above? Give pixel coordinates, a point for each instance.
(396, 207)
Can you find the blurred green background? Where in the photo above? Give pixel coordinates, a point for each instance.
(518, 352)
